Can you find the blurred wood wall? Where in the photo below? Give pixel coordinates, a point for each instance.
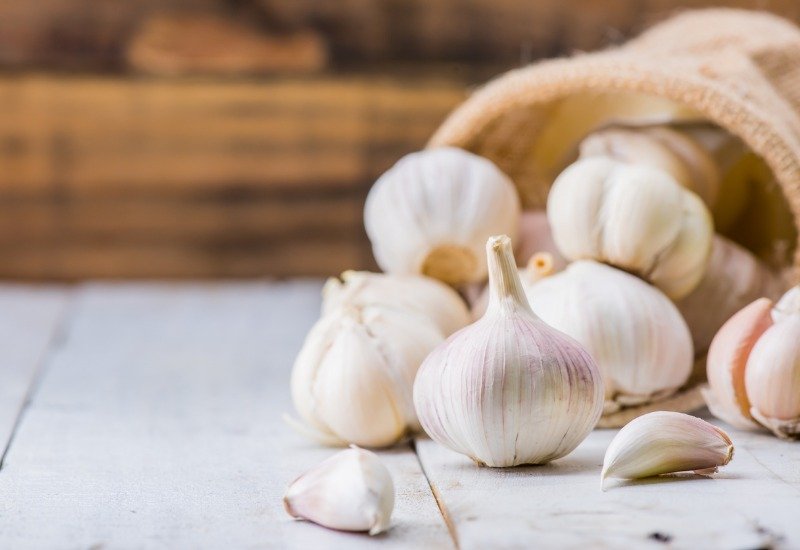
(238, 138)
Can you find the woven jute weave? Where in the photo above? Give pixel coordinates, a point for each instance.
(738, 69)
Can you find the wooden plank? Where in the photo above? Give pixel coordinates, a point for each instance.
(158, 426)
(29, 321)
(751, 503)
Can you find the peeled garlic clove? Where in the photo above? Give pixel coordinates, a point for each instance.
(634, 332)
(352, 381)
(633, 217)
(508, 389)
(726, 396)
(535, 236)
(734, 278)
(432, 212)
(665, 442)
(772, 378)
(422, 295)
(350, 491)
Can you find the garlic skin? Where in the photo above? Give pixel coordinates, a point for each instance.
(419, 294)
(350, 491)
(734, 278)
(634, 332)
(535, 237)
(666, 442)
(432, 212)
(508, 389)
(352, 381)
(634, 217)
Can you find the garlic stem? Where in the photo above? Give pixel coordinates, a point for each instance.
(505, 286)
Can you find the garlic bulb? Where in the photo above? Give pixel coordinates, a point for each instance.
(535, 236)
(350, 491)
(633, 217)
(432, 212)
(787, 305)
(634, 332)
(734, 277)
(666, 442)
(508, 389)
(754, 368)
(352, 381)
(419, 294)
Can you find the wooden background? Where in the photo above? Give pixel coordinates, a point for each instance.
(238, 138)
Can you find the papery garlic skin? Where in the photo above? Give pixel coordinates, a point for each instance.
(666, 442)
(432, 212)
(508, 389)
(352, 381)
(350, 491)
(419, 294)
(772, 377)
(733, 279)
(634, 332)
(637, 218)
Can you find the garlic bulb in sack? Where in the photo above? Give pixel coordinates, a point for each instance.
(423, 295)
(633, 217)
(508, 389)
(634, 332)
(352, 381)
(754, 368)
(432, 212)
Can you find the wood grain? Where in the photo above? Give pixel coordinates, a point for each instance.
(157, 425)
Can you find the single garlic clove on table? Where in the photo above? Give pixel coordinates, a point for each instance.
(634, 332)
(634, 217)
(352, 381)
(350, 491)
(508, 389)
(666, 442)
(423, 295)
(432, 212)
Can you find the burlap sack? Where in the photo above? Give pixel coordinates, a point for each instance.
(738, 69)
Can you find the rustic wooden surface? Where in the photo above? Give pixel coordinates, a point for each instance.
(153, 420)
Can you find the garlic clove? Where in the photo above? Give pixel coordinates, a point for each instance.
(352, 381)
(508, 389)
(666, 442)
(423, 295)
(350, 491)
(726, 395)
(772, 378)
(432, 212)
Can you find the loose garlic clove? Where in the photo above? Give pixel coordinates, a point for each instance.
(350, 491)
(432, 212)
(666, 442)
(633, 217)
(634, 332)
(772, 377)
(418, 294)
(535, 236)
(734, 278)
(352, 381)
(726, 396)
(508, 389)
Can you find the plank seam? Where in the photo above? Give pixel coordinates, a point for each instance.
(437, 496)
(54, 342)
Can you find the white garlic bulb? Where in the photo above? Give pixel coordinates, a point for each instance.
(423, 295)
(508, 389)
(633, 217)
(754, 368)
(734, 278)
(665, 442)
(350, 491)
(432, 212)
(352, 381)
(634, 332)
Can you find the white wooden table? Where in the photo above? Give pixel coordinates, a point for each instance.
(149, 416)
